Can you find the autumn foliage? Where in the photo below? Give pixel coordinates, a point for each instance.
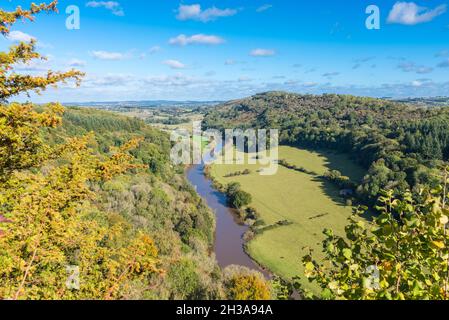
(46, 201)
(245, 284)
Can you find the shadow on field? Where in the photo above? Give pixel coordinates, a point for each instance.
(334, 194)
(330, 190)
(342, 162)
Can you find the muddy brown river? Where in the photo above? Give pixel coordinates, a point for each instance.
(229, 232)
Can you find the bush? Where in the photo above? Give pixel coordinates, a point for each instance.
(237, 198)
(244, 284)
(183, 279)
(238, 173)
(251, 213)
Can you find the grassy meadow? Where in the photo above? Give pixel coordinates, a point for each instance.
(307, 202)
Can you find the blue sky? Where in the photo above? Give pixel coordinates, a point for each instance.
(219, 50)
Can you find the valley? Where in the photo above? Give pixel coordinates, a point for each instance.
(320, 180)
(303, 202)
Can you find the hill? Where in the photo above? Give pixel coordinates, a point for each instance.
(398, 144)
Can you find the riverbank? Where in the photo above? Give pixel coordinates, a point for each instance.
(229, 241)
(293, 207)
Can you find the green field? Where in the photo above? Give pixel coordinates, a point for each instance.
(306, 201)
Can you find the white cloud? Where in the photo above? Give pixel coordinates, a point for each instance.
(265, 7)
(443, 64)
(155, 49)
(183, 40)
(244, 79)
(38, 67)
(262, 53)
(130, 85)
(292, 82)
(20, 36)
(310, 70)
(112, 6)
(443, 53)
(194, 12)
(210, 73)
(105, 55)
(424, 70)
(174, 64)
(409, 13)
(310, 84)
(173, 81)
(365, 59)
(330, 75)
(33, 66)
(421, 83)
(77, 63)
(413, 67)
(108, 80)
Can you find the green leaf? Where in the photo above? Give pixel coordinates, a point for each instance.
(326, 294)
(347, 253)
(328, 233)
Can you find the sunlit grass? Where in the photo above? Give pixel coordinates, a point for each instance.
(306, 201)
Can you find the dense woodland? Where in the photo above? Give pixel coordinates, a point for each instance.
(401, 146)
(96, 191)
(156, 200)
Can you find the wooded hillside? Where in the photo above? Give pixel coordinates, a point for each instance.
(399, 145)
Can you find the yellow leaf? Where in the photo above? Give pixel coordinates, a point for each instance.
(438, 244)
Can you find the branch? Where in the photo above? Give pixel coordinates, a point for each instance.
(21, 53)
(15, 84)
(25, 276)
(7, 19)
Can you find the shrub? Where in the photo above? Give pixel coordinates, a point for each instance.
(244, 284)
(237, 198)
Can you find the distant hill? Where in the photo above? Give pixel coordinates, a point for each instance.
(400, 144)
(427, 102)
(142, 104)
(276, 108)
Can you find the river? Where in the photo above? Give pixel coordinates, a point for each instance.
(229, 232)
